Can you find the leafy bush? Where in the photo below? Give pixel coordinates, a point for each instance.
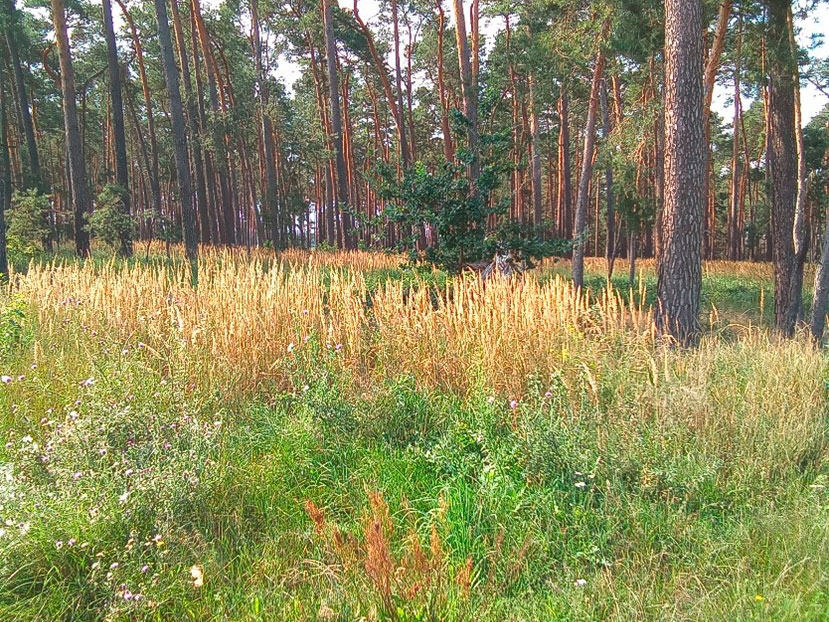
(28, 228)
(108, 222)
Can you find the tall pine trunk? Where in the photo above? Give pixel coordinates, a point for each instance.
(782, 166)
(580, 225)
(680, 261)
(336, 122)
(179, 129)
(77, 166)
(118, 129)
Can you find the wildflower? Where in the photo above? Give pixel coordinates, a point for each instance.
(580, 582)
(113, 565)
(759, 598)
(88, 382)
(71, 542)
(144, 569)
(490, 400)
(77, 475)
(579, 484)
(217, 423)
(548, 394)
(73, 415)
(513, 404)
(129, 472)
(291, 347)
(167, 446)
(2, 533)
(197, 572)
(59, 545)
(123, 497)
(33, 366)
(102, 451)
(26, 439)
(124, 352)
(127, 595)
(338, 347)
(305, 312)
(6, 379)
(21, 378)
(96, 565)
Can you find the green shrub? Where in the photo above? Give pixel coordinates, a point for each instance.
(28, 229)
(108, 222)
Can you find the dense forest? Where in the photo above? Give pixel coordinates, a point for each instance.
(416, 129)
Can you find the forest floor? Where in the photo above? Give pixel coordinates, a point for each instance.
(338, 437)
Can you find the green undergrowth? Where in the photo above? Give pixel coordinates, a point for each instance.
(126, 494)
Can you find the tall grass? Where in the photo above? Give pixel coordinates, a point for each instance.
(330, 436)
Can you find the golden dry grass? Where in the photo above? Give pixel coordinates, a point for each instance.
(250, 318)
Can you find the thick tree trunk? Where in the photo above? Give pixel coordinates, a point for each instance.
(782, 167)
(580, 226)
(179, 129)
(118, 129)
(336, 121)
(77, 166)
(680, 265)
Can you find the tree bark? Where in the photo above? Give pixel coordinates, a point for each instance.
(5, 176)
(118, 129)
(610, 229)
(179, 129)
(469, 92)
(680, 262)
(580, 225)
(336, 121)
(35, 174)
(77, 166)
(448, 146)
(782, 166)
(564, 177)
(155, 183)
(193, 125)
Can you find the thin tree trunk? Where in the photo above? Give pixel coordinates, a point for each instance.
(155, 183)
(5, 176)
(448, 146)
(610, 229)
(469, 91)
(564, 177)
(580, 226)
(77, 166)
(179, 129)
(12, 30)
(336, 121)
(118, 129)
(193, 125)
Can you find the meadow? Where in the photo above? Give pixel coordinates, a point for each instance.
(336, 436)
